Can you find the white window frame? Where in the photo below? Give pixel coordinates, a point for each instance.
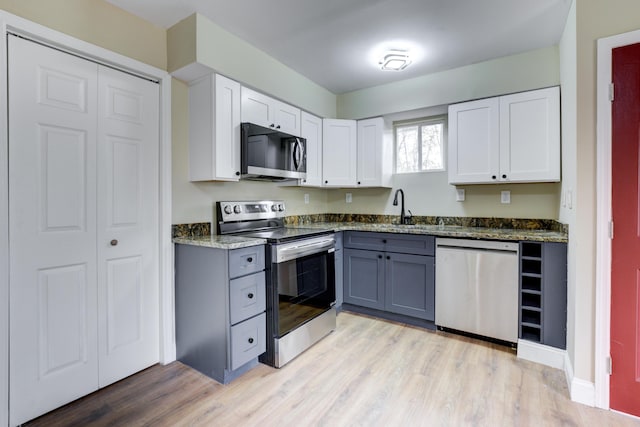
(425, 121)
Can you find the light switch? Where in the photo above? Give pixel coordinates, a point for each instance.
(459, 194)
(505, 197)
(348, 198)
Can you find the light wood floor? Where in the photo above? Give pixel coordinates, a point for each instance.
(368, 372)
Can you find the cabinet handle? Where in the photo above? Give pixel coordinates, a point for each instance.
(272, 125)
(278, 127)
(237, 173)
(388, 257)
(249, 259)
(493, 177)
(114, 242)
(504, 176)
(384, 240)
(358, 182)
(380, 256)
(326, 182)
(250, 296)
(250, 340)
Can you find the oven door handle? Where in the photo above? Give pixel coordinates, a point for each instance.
(289, 251)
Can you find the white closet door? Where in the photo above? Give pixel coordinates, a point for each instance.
(52, 223)
(128, 134)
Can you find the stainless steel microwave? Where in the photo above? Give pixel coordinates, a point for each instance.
(270, 155)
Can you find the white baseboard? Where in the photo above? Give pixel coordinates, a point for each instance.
(581, 391)
(543, 354)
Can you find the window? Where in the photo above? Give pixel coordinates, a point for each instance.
(420, 145)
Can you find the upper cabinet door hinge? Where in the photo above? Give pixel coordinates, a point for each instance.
(611, 230)
(609, 366)
(611, 92)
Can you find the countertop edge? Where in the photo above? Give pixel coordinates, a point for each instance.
(480, 233)
(447, 231)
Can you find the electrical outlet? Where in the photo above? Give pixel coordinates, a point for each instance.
(505, 197)
(348, 198)
(459, 194)
(306, 198)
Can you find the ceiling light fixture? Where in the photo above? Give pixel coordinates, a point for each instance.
(395, 60)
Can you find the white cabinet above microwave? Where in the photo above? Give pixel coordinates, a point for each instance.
(268, 112)
(214, 129)
(511, 138)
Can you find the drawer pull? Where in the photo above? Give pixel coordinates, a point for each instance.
(250, 340)
(250, 296)
(249, 259)
(380, 256)
(384, 240)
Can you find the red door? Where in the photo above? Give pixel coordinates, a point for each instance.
(625, 264)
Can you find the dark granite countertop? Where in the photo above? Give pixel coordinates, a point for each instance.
(445, 231)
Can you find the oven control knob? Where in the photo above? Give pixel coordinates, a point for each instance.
(281, 207)
(274, 207)
(228, 209)
(236, 209)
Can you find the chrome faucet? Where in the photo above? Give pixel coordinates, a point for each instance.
(403, 219)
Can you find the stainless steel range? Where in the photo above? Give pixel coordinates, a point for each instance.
(300, 275)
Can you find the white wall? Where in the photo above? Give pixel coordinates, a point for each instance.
(529, 70)
(231, 56)
(568, 209)
(594, 20)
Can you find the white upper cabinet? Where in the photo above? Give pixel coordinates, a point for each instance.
(474, 143)
(530, 136)
(339, 153)
(311, 130)
(512, 138)
(375, 153)
(269, 112)
(214, 129)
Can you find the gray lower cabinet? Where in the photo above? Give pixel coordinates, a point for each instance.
(364, 278)
(410, 285)
(220, 309)
(543, 293)
(390, 272)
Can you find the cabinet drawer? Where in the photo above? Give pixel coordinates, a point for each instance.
(364, 240)
(246, 297)
(410, 244)
(248, 340)
(246, 261)
(416, 244)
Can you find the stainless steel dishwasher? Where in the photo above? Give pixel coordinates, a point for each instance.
(477, 287)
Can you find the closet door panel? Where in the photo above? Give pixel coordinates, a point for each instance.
(128, 135)
(52, 223)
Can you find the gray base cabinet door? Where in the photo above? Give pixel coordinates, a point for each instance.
(410, 285)
(364, 278)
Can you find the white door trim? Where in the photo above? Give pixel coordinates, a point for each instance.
(17, 25)
(603, 211)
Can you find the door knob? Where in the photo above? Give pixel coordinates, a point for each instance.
(114, 242)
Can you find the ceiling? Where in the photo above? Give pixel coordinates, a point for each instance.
(336, 43)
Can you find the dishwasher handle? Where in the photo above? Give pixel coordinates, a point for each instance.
(490, 250)
(482, 245)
